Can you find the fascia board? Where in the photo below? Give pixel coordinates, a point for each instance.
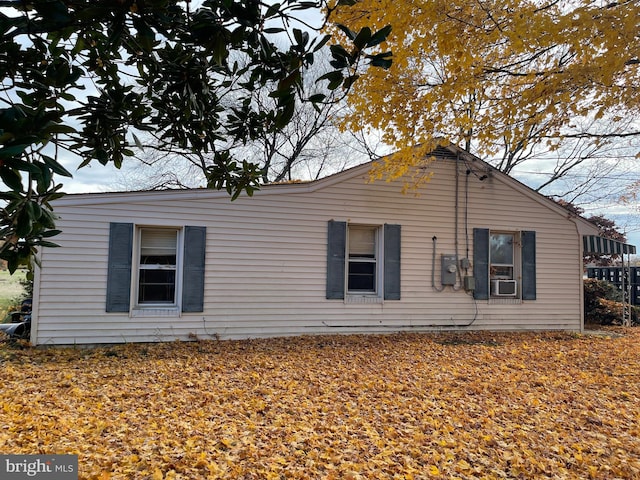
(105, 198)
(583, 226)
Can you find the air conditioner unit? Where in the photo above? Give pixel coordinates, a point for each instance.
(504, 288)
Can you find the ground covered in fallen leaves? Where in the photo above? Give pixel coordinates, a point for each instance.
(477, 405)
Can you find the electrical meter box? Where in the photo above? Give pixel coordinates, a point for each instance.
(449, 269)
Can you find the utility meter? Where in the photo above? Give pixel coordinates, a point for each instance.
(449, 269)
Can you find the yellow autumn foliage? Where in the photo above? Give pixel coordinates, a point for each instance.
(403, 406)
(495, 72)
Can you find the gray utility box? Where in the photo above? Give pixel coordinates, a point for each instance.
(449, 269)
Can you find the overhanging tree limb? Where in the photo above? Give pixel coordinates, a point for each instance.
(533, 70)
(145, 66)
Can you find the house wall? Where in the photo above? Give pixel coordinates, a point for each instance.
(266, 260)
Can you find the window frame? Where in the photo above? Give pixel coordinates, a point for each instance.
(389, 263)
(376, 260)
(526, 265)
(121, 271)
(138, 267)
(515, 265)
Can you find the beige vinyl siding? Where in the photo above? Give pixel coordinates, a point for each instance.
(266, 260)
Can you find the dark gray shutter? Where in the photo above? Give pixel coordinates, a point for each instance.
(119, 267)
(391, 262)
(193, 269)
(336, 247)
(528, 239)
(481, 263)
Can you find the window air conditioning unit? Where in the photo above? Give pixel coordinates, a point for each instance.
(504, 288)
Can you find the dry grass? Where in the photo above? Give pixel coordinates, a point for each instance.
(10, 291)
(481, 405)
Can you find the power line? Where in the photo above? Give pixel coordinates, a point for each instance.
(584, 175)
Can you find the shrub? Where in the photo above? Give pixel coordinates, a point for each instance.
(27, 285)
(603, 303)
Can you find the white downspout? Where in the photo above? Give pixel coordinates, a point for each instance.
(35, 303)
(581, 275)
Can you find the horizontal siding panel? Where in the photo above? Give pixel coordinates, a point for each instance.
(266, 261)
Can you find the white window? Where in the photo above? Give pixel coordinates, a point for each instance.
(158, 265)
(362, 255)
(504, 265)
(503, 250)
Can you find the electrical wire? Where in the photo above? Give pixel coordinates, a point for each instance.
(456, 240)
(433, 266)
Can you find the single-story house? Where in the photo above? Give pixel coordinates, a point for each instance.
(475, 249)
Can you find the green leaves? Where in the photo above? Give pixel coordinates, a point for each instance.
(11, 178)
(187, 77)
(365, 38)
(32, 223)
(235, 178)
(344, 60)
(382, 60)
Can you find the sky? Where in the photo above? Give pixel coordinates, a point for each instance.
(96, 178)
(606, 202)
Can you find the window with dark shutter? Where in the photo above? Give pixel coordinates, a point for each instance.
(336, 248)
(119, 267)
(481, 263)
(497, 272)
(165, 276)
(193, 269)
(391, 262)
(363, 261)
(528, 240)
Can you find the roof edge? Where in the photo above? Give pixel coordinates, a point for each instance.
(583, 226)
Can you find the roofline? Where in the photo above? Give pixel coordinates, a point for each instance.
(584, 227)
(187, 193)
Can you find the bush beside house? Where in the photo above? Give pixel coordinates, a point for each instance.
(603, 304)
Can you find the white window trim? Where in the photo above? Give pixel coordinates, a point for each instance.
(366, 297)
(517, 268)
(156, 309)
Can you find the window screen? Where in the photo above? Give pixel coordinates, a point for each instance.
(362, 260)
(157, 269)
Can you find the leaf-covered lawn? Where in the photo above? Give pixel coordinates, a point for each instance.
(481, 405)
